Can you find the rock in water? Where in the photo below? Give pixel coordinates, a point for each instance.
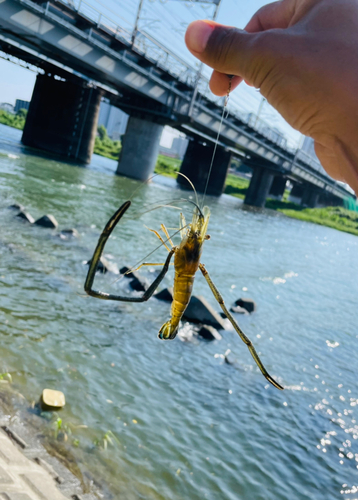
(124, 270)
(70, 232)
(26, 216)
(47, 221)
(52, 400)
(200, 311)
(138, 283)
(209, 333)
(17, 206)
(166, 295)
(229, 357)
(248, 304)
(238, 310)
(104, 266)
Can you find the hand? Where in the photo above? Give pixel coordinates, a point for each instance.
(303, 56)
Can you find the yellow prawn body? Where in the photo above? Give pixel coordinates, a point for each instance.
(186, 263)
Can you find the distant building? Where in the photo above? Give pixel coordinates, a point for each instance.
(20, 104)
(308, 149)
(173, 143)
(113, 119)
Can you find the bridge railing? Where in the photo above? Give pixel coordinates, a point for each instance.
(164, 58)
(311, 161)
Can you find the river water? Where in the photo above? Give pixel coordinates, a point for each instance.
(186, 424)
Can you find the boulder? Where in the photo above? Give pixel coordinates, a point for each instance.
(229, 357)
(238, 310)
(17, 206)
(26, 216)
(166, 295)
(70, 233)
(208, 332)
(200, 311)
(138, 283)
(104, 266)
(248, 304)
(52, 400)
(47, 221)
(124, 270)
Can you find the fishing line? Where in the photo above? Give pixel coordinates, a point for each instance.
(217, 137)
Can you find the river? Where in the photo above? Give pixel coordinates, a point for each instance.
(186, 424)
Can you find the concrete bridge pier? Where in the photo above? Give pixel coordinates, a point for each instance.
(278, 187)
(296, 193)
(196, 165)
(140, 147)
(62, 118)
(259, 188)
(310, 198)
(304, 195)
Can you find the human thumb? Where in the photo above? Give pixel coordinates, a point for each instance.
(226, 49)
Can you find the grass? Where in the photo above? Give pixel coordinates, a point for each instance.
(16, 121)
(167, 166)
(236, 186)
(335, 217)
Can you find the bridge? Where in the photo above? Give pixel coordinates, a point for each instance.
(82, 56)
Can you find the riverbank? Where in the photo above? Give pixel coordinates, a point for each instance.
(33, 465)
(334, 217)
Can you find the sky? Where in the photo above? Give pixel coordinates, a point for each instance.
(164, 20)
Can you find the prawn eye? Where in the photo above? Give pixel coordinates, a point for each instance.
(207, 237)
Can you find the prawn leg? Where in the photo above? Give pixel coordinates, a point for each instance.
(165, 231)
(159, 236)
(243, 337)
(107, 231)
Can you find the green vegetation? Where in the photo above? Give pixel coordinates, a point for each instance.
(16, 121)
(167, 166)
(104, 146)
(335, 217)
(108, 439)
(236, 186)
(6, 377)
(61, 430)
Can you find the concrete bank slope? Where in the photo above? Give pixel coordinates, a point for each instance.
(28, 472)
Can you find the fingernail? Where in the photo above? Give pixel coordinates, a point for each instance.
(198, 34)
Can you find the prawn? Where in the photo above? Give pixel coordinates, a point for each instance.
(186, 263)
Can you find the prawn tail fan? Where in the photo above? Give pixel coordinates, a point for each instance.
(168, 331)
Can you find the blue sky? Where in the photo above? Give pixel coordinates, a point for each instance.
(164, 20)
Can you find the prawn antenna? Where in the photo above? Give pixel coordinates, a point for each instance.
(192, 185)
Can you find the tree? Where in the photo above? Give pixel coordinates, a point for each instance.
(22, 113)
(102, 132)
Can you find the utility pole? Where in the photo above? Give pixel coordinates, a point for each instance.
(263, 100)
(298, 149)
(200, 70)
(135, 30)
